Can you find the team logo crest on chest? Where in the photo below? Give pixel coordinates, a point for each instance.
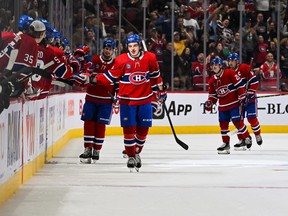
(137, 78)
(223, 91)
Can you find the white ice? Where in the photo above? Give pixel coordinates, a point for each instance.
(171, 182)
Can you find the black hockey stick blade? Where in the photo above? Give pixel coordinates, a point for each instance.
(28, 71)
(181, 143)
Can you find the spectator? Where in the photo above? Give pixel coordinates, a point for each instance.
(179, 44)
(284, 57)
(156, 45)
(109, 15)
(185, 67)
(166, 71)
(268, 70)
(90, 42)
(272, 48)
(261, 26)
(188, 21)
(249, 39)
(235, 45)
(260, 51)
(165, 22)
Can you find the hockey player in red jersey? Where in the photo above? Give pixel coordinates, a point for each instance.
(226, 87)
(250, 107)
(49, 60)
(26, 49)
(139, 76)
(97, 109)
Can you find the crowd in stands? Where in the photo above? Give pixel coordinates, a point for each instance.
(259, 32)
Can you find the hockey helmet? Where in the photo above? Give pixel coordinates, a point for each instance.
(233, 56)
(217, 60)
(24, 22)
(132, 39)
(109, 42)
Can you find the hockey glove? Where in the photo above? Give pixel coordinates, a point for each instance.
(243, 99)
(80, 79)
(18, 88)
(250, 94)
(208, 105)
(162, 94)
(156, 108)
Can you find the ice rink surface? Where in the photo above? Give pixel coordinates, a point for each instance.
(171, 182)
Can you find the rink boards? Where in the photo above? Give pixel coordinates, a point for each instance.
(33, 131)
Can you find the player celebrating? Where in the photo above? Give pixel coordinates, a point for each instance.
(97, 109)
(226, 86)
(139, 76)
(250, 106)
(26, 49)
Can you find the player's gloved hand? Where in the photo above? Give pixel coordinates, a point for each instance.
(162, 94)
(18, 88)
(116, 103)
(242, 99)
(93, 79)
(208, 105)
(250, 94)
(156, 108)
(80, 79)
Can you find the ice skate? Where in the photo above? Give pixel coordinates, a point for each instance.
(240, 146)
(95, 155)
(85, 157)
(138, 162)
(248, 142)
(124, 154)
(259, 139)
(224, 149)
(131, 163)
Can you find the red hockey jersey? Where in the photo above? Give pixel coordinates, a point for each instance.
(48, 60)
(248, 78)
(99, 93)
(27, 50)
(226, 89)
(137, 77)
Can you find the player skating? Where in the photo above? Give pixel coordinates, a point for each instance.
(139, 76)
(226, 87)
(97, 109)
(250, 106)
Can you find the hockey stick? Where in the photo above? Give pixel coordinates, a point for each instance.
(182, 144)
(12, 59)
(11, 62)
(29, 71)
(273, 95)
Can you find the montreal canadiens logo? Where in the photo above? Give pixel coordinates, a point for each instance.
(137, 78)
(223, 91)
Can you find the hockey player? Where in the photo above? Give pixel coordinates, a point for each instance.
(139, 76)
(226, 87)
(97, 109)
(47, 59)
(26, 56)
(250, 106)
